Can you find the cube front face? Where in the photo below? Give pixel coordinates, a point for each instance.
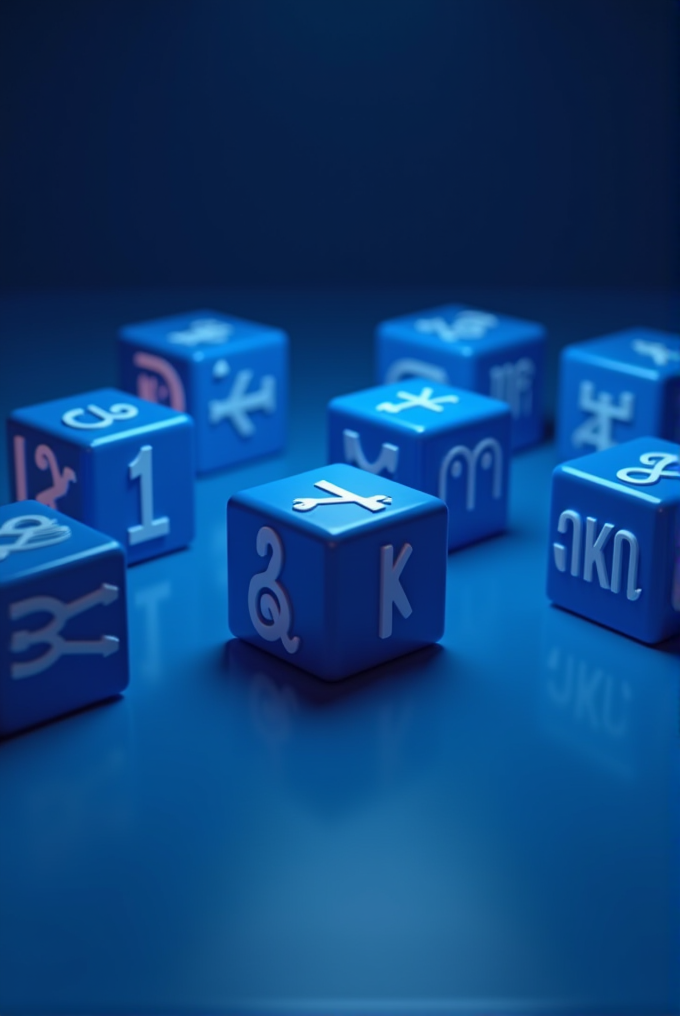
(614, 552)
(491, 354)
(113, 461)
(336, 570)
(449, 442)
(63, 622)
(231, 375)
(618, 388)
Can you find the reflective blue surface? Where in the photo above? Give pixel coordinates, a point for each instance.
(491, 825)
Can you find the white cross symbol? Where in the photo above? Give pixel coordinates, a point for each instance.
(413, 401)
(210, 331)
(659, 353)
(374, 503)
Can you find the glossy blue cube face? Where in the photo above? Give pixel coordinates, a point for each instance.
(118, 463)
(614, 553)
(231, 375)
(63, 620)
(336, 570)
(487, 353)
(618, 388)
(446, 441)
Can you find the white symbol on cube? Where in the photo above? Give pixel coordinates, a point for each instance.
(467, 324)
(593, 555)
(487, 453)
(240, 402)
(514, 383)
(387, 459)
(597, 430)
(392, 592)
(31, 532)
(150, 528)
(411, 400)
(161, 384)
(659, 352)
(374, 503)
(268, 602)
(202, 331)
(50, 633)
(103, 417)
(409, 367)
(657, 462)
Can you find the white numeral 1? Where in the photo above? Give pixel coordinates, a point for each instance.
(141, 469)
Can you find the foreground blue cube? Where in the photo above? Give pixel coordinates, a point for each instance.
(231, 375)
(336, 570)
(63, 621)
(614, 553)
(487, 353)
(445, 441)
(118, 463)
(617, 388)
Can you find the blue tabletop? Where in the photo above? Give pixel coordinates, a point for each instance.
(490, 825)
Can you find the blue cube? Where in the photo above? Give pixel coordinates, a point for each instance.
(63, 619)
(231, 375)
(118, 463)
(487, 353)
(445, 441)
(336, 570)
(614, 553)
(617, 388)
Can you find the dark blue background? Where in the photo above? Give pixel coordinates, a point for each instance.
(347, 142)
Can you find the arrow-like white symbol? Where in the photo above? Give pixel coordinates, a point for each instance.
(49, 634)
(660, 353)
(374, 503)
(240, 402)
(412, 401)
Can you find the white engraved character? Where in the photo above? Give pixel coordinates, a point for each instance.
(410, 400)
(30, 532)
(660, 354)
(514, 383)
(392, 592)
(374, 503)
(658, 463)
(202, 331)
(268, 603)
(467, 324)
(488, 453)
(387, 459)
(240, 403)
(410, 367)
(103, 417)
(594, 545)
(597, 430)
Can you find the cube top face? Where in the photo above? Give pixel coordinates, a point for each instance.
(338, 502)
(99, 417)
(646, 469)
(416, 408)
(201, 334)
(35, 538)
(462, 330)
(642, 352)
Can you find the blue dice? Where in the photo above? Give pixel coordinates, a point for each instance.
(122, 465)
(487, 353)
(231, 375)
(445, 441)
(336, 569)
(617, 388)
(614, 553)
(63, 622)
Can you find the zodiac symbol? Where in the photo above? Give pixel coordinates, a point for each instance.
(513, 383)
(661, 354)
(392, 592)
(30, 532)
(148, 386)
(44, 459)
(412, 401)
(658, 462)
(268, 603)
(375, 503)
(468, 324)
(50, 635)
(487, 452)
(240, 402)
(409, 367)
(209, 331)
(105, 417)
(387, 459)
(597, 430)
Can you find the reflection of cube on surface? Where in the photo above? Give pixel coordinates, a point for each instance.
(231, 375)
(64, 622)
(617, 388)
(113, 461)
(446, 441)
(487, 353)
(336, 570)
(614, 553)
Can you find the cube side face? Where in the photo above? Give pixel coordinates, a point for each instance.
(63, 618)
(240, 402)
(399, 358)
(375, 448)
(46, 469)
(515, 375)
(157, 377)
(600, 406)
(605, 558)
